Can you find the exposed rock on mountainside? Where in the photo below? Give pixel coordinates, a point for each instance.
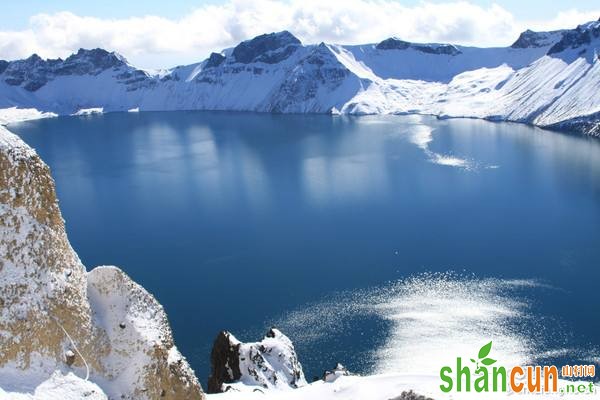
(397, 44)
(270, 363)
(306, 88)
(589, 125)
(529, 39)
(214, 60)
(392, 44)
(578, 37)
(269, 48)
(57, 320)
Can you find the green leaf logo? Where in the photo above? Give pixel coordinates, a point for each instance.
(484, 351)
(488, 361)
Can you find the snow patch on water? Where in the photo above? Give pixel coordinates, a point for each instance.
(432, 318)
(89, 111)
(421, 135)
(436, 320)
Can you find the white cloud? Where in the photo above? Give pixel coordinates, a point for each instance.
(153, 41)
(565, 19)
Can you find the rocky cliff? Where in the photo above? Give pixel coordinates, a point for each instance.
(60, 322)
(271, 363)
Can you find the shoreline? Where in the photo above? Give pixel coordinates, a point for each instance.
(13, 115)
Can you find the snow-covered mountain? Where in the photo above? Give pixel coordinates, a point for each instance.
(550, 79)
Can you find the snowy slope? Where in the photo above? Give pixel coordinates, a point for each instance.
(544, 78)
(380, 387)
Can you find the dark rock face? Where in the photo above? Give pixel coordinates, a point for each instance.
(587, 125)
(397, 44)
(269, 48)
(224, 363)
(393, 44)
(89, 62)
(580, 36)
(447, 49)
(529, 39)
(214, 60)
(3, 65)
(33, 70)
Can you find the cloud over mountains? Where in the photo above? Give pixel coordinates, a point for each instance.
(152, 41)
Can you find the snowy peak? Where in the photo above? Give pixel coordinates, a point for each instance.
(268, 48)
(214, 60)
(33, 73)
(429, 48)
(91, 62)
(577, 38)
(392, 44)
(531, 39)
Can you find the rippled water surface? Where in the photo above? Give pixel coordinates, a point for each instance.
(389, 243)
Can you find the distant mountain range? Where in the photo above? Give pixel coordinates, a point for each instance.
(549, 79)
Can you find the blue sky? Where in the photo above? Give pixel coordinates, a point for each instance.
(160, 33)
(16, 16)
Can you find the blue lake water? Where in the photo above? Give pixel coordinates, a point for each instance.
(389, 243)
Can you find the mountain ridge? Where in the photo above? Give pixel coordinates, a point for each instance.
(276, 72)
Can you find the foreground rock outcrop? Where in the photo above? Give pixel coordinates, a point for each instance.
(269, 364)
(59, 321)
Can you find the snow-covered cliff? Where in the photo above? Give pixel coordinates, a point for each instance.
(62, 328)
(548, 79)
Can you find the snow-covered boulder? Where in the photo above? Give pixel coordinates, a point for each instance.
(56, 318)
(271, 363)
(335, 373)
